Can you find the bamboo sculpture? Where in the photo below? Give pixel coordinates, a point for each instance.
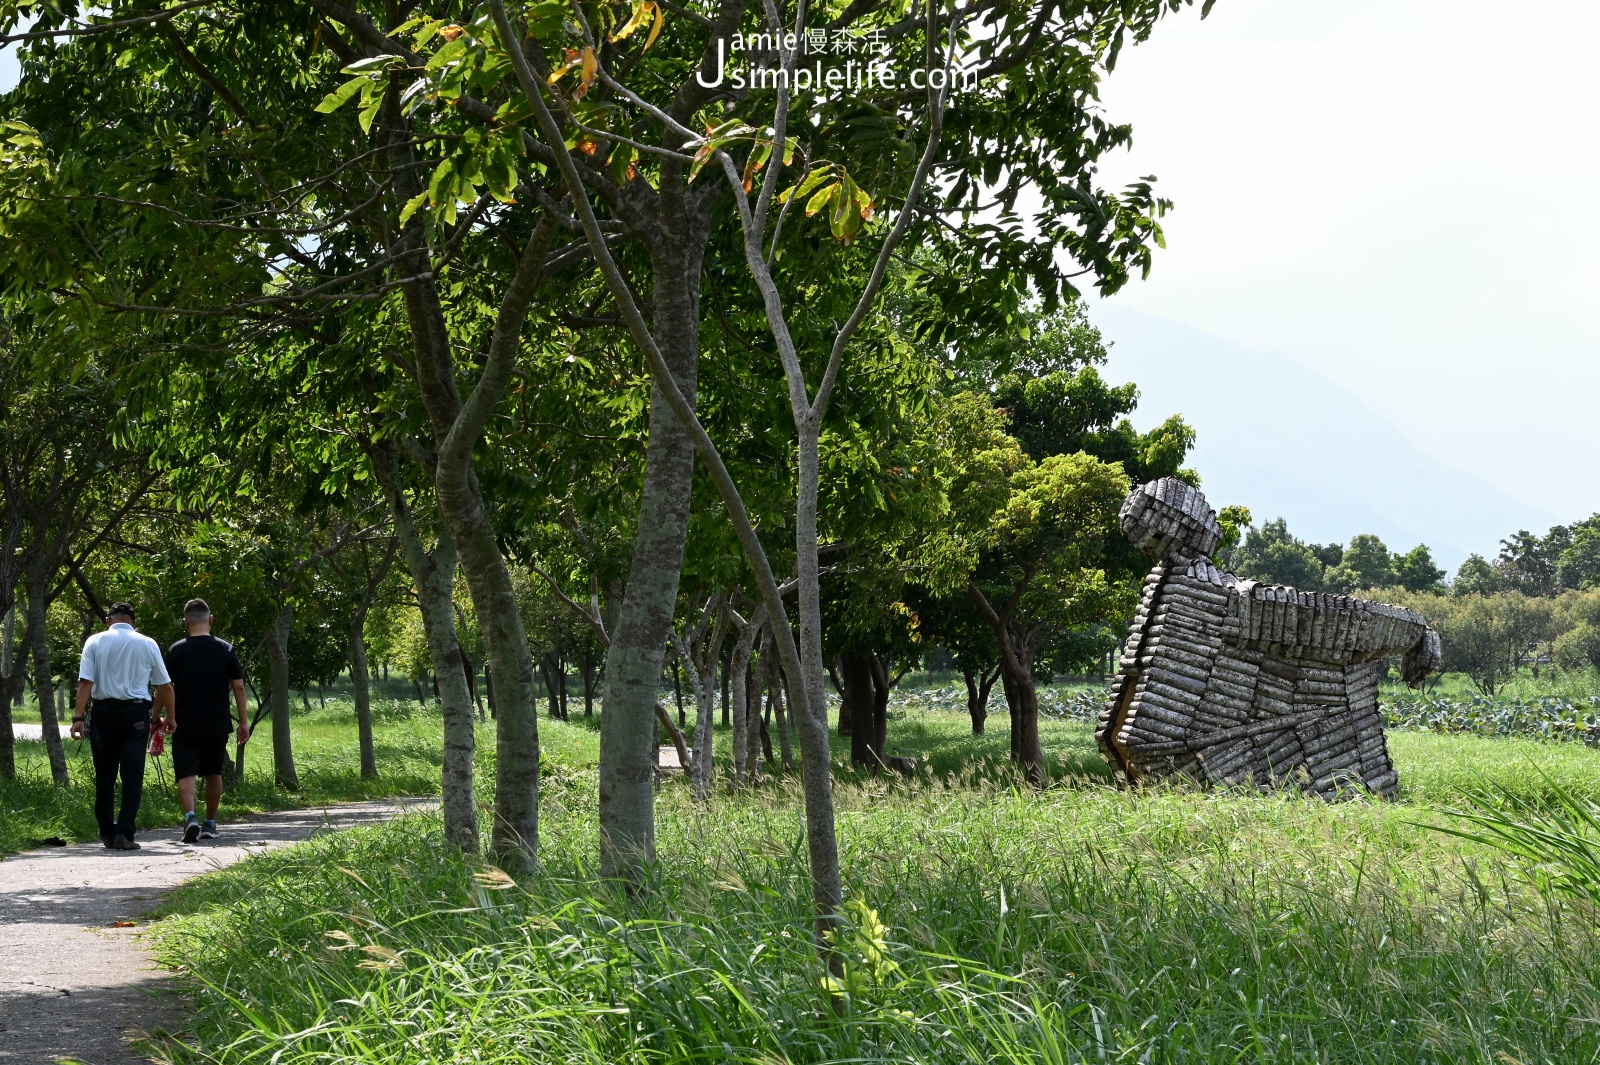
(1227, 681)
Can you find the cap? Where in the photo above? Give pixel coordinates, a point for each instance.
(126, 609)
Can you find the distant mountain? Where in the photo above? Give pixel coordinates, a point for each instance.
(1287, 442)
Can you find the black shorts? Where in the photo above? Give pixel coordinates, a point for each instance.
(202, 757)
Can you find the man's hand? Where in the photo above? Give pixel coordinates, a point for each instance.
(243, 734)
(77, 728)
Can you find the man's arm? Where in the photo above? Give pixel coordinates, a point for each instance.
(85, 689)
(164, 706)
(244, 711)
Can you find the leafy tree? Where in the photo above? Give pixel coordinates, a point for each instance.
(1579, 563)
(1415, 570)
(1577, 621)
(1235, 521)
(1478, 576)
(1528, 562)
(66, 483)
(1366, 563)
(1485, 636)
(1026, 544)
(1273, 555)
(1329, 555)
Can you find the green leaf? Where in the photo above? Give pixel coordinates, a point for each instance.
(820, 200)
(371, 103)
(372, 64)
(340, 96)
(411, 207)
(811, 181)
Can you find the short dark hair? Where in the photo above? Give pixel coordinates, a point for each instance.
(196, 608)
(125, 609)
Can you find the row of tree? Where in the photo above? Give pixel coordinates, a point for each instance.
(513, 292)
(1274, 555)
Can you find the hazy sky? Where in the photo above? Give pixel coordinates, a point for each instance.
(1400, 195)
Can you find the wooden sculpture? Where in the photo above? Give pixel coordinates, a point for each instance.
(1227, 681)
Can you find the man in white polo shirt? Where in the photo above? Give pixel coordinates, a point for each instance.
(118, 670)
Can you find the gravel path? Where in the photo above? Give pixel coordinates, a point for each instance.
(72, 984)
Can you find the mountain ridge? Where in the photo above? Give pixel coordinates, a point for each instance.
(1287, 442)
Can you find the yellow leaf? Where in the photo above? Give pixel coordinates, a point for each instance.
(640, 13)
(573, 58)
(591, 63)
(655, 30)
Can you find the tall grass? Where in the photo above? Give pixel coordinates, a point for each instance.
(989, 923)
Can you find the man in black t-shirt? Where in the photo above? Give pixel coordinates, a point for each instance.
(204, 671)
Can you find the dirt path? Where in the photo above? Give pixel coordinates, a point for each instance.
(72, 985)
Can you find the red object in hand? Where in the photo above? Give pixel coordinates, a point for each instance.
(158, 743)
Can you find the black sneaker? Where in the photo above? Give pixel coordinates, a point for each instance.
(123, 843)
(208, 829)
(109, 841)
(191, 828)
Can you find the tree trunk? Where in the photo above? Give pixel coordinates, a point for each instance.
(880, 706)
(1022, 696)
(702, 664)
(561, 683)
(360, 682)
(978, 688)
(457, 429)
(766, 732)
(434, 576)
(644, 618)
(588, 683)
(727, 671)
(278, 660)
(43, 682)
(705, 744)
(855, 672)
(736, 681)
(548, 676)
(755, 731)
(470, 672)
(811, 713)
(846, 706)
(1009, 689)
(488, 690)
(10, 689)
(677, 691)
(775, 695)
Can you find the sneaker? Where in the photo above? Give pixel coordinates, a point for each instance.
(191, 828)
(208, 829)
(109, 841)
(123, 843)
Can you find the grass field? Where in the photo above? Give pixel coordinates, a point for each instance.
(990, 923)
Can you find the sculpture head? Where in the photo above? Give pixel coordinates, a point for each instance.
(1171, 520)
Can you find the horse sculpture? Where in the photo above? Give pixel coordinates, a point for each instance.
(1228, 681)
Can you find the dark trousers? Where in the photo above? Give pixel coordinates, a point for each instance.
(119, 734)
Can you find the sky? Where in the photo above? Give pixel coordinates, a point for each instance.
(1397, 194)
